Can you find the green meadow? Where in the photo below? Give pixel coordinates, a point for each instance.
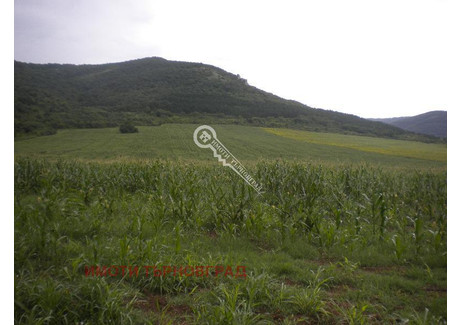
(248, 144)
(399, 148)
(349, 230)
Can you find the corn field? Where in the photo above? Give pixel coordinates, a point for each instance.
(323, 244)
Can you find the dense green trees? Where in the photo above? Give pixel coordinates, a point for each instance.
(152, 91)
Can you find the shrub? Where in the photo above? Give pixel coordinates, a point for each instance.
(128, 128)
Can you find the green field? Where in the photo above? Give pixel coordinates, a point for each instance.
(343, 234)
(390, 147)
(248, 144)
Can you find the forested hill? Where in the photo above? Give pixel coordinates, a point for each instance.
(431, 123)
(152, 91)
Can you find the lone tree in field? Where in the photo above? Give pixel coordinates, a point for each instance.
(128, 127)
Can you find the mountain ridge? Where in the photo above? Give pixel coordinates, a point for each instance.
(430, 123)
(152, 91)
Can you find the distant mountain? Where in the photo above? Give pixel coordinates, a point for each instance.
(152, 91)
(430, 123)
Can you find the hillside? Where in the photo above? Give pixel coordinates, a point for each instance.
(153, 91)
(431, 123)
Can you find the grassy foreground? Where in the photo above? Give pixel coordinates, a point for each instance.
(324, 244)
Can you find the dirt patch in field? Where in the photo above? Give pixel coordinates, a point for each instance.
(383, 269)
(434, 291)
(153, 303)
(159, 304)
(212, 234)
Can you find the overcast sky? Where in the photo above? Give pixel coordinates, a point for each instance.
(368, 58)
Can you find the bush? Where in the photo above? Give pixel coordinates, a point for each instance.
(128, 128)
